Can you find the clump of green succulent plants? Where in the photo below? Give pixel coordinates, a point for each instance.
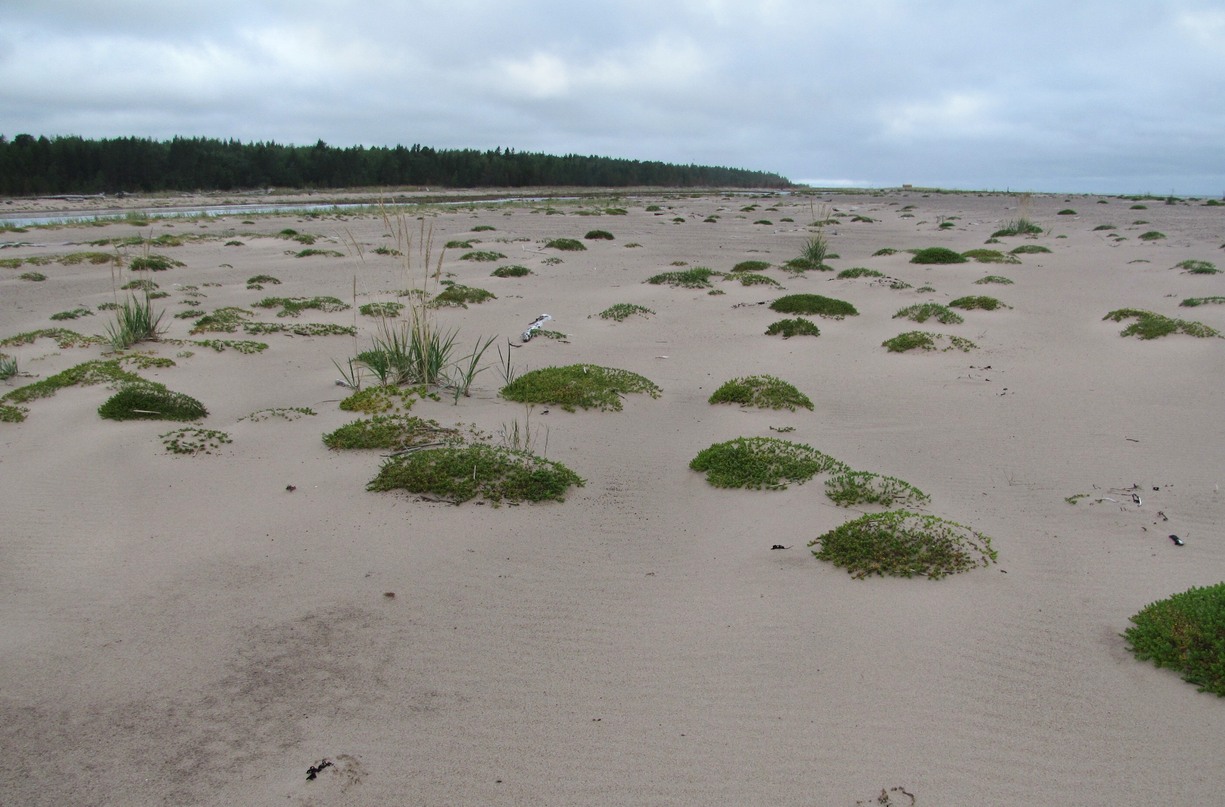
(585, 386)
(761, 391)
(794, 326)
(460, 473)
(814, 304)
(1185, 633)
(759, 463)
(622, 311)
(900, 543)
(1149, 325)
(922, 312)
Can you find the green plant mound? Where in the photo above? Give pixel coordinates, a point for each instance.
(387, 309)
(1029, 249)
(925, 340)
(975, 302)
(859, 271)
(922, 312)
(598, 235)
(900, 543)
(762, 463)
(813, 304)
(761, 391)
(511, 271)
(884, 251)
(990, 256)
(751, 266)
(799, 265)
(153, 263)
(1151, 235)
(1021, 226)
(753, 279)
(223, 320)
(482, 256)
(382, 399)
(864, 487)
(391, 432)
(1185, 632)
(1003, 281)
(932, 255)
(1192, 302)
(293, 306)
(459, 296)
(565, 244)
(1149, 325)
(194, 441)
(151, 402)
(578, 385)
(1197, 267)
(458, 474)
(795, 326)
(696, 278)
(622, 311)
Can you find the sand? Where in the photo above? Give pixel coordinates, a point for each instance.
(185, 630)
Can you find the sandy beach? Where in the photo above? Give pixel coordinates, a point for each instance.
(188, 630)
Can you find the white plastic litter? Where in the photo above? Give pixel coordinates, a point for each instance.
(532, 328)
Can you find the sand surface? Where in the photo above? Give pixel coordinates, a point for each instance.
(185, 630)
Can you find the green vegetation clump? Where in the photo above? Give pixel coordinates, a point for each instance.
(289, 413)
(925, 340)
(622, 311)
(1149, 325)
(1021, 226)
(322, 253)
(392, 432)
(459, 245)
(1192, 302)
(483, 228)
(244, 346)
(1185, 632)
(1104, 227)
(511, 271)
(293, 235)
(293, 306)
(761, 463)
(194, 440)
(223, 320)
(1067, 211)
(1151, 235)
(153, 263)
(695, 278)
(753, 279)
(813, 304)
(34, 277)
(257, 282)
(482, 256)
(930, 255)
(796, 326)
(922, 312)
(76, 313)
(147, 401)
(1003, 281)
(388, 309)
(382, 399)
(8, 366)
(578, 385)
(751, 266)
(140, 284)
(990, 256)
(598, 235)
(135, 321)
(460, 473)
(900, 543)
(761, 391)
(300, 329)
(565, 244)
(1197, 267)
(63, 337)
(884, 251)
(859, 271)
(862, 487)
(973, 302)
(459, 296)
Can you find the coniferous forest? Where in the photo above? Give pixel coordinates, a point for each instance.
(68, 165)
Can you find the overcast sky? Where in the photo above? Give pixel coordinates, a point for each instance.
(1124, 96)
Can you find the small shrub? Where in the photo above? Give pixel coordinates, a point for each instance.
(813, 304)
(1151, 235)
(751, 266)
(146, 401)
(1138, 207)
(975, 302)
(931, 255)
(924, 340)
(511, 271)
(388, 432)
(695, 278)
(922, 312)
(1149, 325)
(262, 280)
(990, 256)
(1104, 227)
(797, 326)
(884, 251)
(459, 296)
(622, 311)
(900, 543)
(1067, 211)
(578, 385)
(759, 463)
(1192, 302)
(1197, 267)
(494, 473)
(751, 279)
(459, 245)
(598, 235)
(482, 256)
(483, 228)
(35, 277)
(798, 265)
(1021, 226)
(1186, 633)
(859, 271)
(388, 309)
(565, 244)
(861, 487)
(761, 391)
(153, 263)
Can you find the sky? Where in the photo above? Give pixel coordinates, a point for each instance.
(1067, 96)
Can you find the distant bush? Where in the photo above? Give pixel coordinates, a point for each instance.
(511, 271)
(1021, 226)
(751, 266)
(1028, 249)
(761, 391)
(151, 402)
(859, 271)
(565, 244)
(1148, 325)
(598, 235)
(932, 255)
(482, 255)
(1151, 235)
(922, 312)
(813, 304)
(759, 463)
(459, 296)
(993, 279)
(990, 256)
(924, 340)
(153, 263)
(587, 386)
(974, 302)
(694, 278)
(1197, 267)
(460, 473)
(788, 328)
(904, 544)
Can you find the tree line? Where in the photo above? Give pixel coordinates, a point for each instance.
(32, 166)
